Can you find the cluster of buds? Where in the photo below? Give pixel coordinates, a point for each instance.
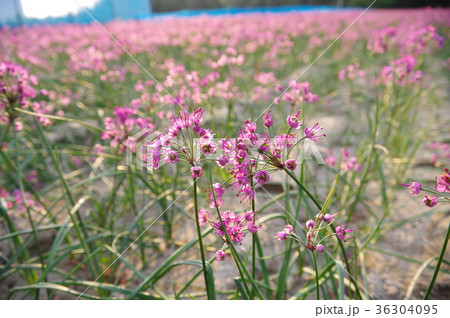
(312, 228)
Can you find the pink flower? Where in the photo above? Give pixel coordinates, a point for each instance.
(310, 224)
(216, 192)
(293, 121)
(171, 156)
(430, 202)
(329, 217)
(281, 236)
(415, 187)
(262, 177)
(220, 256)
(331, 161)
(203, 217)
(252, 228)
(222, 161)
(268, 119)
(312, 133)
(290, 164)
(341, 232)
(196, 172)
(443, 183)
(320, 248)
(249, 215)
(288, 229)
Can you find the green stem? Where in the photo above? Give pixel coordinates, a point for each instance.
(309, 194)
(438, 265)
(200, 240)
(316, 277)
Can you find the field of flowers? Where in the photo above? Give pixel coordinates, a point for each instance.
(259, 156)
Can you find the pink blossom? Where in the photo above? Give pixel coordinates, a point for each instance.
(196, 172)
(203, 217)
(430, 202)
(281, 236)
(415, 187)
(220, 256)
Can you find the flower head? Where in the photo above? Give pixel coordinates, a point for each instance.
(268, 119)
(341, 232)
(310, 224)
(203, 217)
(289, 229)
(262, 177)
(430, 202)
(290, 164)
(443, 183)
(312, 133)
(415, 187)
(293, 121)
(220, 256)
(252, 228)
(216, 192)
(196, 172)
(281, 236)
(320, 248)
(329, 217)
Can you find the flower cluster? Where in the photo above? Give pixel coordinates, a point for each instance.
(252, 156)
(382, 41)
(347, 163)
(15, 200)
(401, 72)
(440, 151)
(16, 87)
(312, 227)
(16, 84)
(351, 73)
(184, 140)
(121, 127)
(298, 93)
(424, 40)
(235, 225)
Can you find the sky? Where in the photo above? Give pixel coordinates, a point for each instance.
(44, 8)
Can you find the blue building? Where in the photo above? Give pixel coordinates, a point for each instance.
(11, 12)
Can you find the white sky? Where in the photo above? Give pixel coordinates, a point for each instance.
(44, 8)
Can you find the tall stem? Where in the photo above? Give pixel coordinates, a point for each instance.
(200, 240)
(254, 238)
(317, 276)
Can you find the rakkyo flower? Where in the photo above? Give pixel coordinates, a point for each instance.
(443, 183)
(341, 232)
(430, 202)
(262, 177)
(268, 119)
(293, 121)
(415, 187)
(220, 256)
(312, 133)
(290, 164)
(196, 172)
